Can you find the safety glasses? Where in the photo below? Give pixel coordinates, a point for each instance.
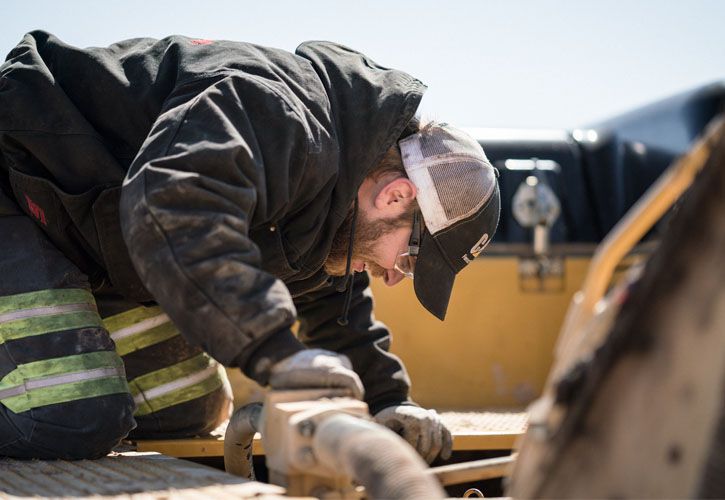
(405, 262)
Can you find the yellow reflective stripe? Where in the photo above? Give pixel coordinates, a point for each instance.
(145, 339)
(83, 389)
(9, 316)
(185, 381)
(130, 317)
(46, 311)
(139, 328)
(46, 324)
(43, 298)
(58, 380)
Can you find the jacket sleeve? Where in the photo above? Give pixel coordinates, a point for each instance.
(188, 202)
(364, 340)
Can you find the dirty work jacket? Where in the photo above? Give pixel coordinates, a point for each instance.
(223, 168)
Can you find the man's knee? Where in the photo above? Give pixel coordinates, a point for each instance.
(180, 390)
(61, 374)
(82, 429)
(192, 418)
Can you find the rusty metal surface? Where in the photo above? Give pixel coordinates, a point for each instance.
(125, 475)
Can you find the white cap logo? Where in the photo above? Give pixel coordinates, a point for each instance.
(477, 248)
(480, 245)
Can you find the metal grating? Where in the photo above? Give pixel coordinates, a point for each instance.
(127, 475)
(485, 430)
(479, 422)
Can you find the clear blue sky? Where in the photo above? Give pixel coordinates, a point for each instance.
(508, 63)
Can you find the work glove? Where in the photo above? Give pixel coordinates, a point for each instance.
(423, 429)
(315, 369)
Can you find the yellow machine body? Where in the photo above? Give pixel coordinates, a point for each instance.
(495, 347)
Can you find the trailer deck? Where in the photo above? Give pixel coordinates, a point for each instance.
(125, 475)
(472, 431)
(154, 469)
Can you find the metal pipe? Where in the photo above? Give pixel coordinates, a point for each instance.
(477, 470)
(238, 438)
(375, 457)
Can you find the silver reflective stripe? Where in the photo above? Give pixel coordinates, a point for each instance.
(179, 383)
(139, 327)
(13, 391)
(45, 311)
(65, 378)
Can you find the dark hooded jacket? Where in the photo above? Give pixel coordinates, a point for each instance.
(210, 177)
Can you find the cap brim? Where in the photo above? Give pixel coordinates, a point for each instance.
(434, 279)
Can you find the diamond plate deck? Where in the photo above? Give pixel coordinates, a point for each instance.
(125, 475)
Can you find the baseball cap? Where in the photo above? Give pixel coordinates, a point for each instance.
(459, 199)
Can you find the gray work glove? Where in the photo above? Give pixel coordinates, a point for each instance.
(315, 369)
(422, 428)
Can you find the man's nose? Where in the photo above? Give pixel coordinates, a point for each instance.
(392, 277)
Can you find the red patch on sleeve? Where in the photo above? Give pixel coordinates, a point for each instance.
(35, 210)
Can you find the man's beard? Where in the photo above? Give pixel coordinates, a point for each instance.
(367, 233)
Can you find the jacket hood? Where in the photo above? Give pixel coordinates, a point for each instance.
(370, 106)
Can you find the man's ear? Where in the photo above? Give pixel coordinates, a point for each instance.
(395, 195)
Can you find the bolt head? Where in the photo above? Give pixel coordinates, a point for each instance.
(306, 428)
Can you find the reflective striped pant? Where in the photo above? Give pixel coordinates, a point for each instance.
(72, 384)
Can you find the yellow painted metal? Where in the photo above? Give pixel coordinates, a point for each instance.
(214, 446)
(485, 441)
(476, 470)
(495, 347)
(493, 350)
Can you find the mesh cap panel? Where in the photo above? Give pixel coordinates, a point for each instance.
(451, 172)
(458, 186)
